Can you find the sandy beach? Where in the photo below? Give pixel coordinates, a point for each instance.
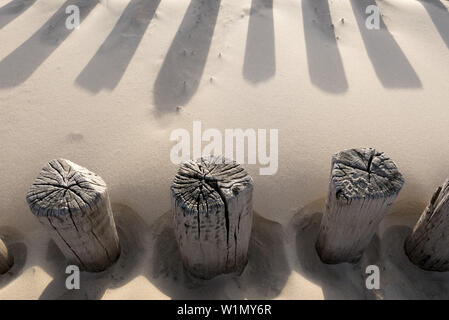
(109, 94)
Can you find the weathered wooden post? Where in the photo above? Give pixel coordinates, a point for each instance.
(428, 245)
(6, 260)
(73, 203)
(212, 208)
(364, 184)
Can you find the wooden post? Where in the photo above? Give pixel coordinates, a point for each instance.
(212, 208)
(73, 203)
(428, 245)
(364, 184)
(6, 260)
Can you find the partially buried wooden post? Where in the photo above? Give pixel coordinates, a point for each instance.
(6, 260)
(73, 203)
(364, 184)
(428, 245)
(212, 208)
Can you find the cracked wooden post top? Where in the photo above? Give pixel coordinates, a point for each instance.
(6, 259)
(428, 245)
(212, 208)
(364, 184)
(73, 203)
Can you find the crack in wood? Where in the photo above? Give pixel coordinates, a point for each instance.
(356, 204)
(207, 188)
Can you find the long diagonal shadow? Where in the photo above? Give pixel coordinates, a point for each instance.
(13, 9)
(440, 17)
(19, 65)
(184, 63)
(260, 62)
(391, 65)
(325, 64)
(110, 62)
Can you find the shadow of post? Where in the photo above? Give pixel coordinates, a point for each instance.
(19, 65)
(325, 64)
(390, 63)
(132, 231)
(439, 14)
(12, 10)
(110, 62)
(260, 60)
(264, 276)
(401, 279)
(341, 281)
(17, 247)
(183, 67)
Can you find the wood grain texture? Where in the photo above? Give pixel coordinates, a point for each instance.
(428, 245)
(6, 260)
(73, 203)
(212, 209)
(364, 184)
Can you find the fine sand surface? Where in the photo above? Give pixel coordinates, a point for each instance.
(108, 95)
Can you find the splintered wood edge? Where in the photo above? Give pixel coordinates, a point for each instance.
(439, 203)
(64, 187)
(6, 259)
(208, 182)
(364, 173)
(424, 245)
(440, 198)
